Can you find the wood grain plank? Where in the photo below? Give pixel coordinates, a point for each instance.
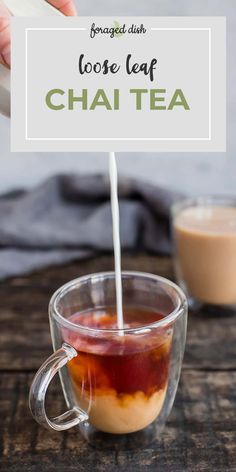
(58, 275)
(200, 434)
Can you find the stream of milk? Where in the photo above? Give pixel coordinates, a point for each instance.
(116, 238)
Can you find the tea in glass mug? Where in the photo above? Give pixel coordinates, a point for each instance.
(116, 382)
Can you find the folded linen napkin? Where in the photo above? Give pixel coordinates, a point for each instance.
(69, 217)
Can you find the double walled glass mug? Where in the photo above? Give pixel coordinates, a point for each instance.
(119, 384)
(204, 231)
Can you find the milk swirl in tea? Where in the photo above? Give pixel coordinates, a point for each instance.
(120, 379)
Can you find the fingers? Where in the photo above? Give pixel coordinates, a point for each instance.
(65, 6)
(5, 52)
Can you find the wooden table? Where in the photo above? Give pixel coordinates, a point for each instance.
(201, 432)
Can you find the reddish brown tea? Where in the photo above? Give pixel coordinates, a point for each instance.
(120, 379)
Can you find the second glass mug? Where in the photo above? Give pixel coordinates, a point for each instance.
(119, 385)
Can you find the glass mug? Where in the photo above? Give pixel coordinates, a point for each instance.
(119, 385)
(204, 231)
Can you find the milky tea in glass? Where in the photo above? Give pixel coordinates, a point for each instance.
(205, 249)
(115, 382)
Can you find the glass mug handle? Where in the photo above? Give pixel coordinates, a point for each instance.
(39, 388)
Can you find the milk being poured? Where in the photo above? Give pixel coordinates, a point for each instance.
(40, 8)
(116, 238)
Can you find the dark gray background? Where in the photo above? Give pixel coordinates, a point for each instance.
(191, 173)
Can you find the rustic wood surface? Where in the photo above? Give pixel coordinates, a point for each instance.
(201, 432)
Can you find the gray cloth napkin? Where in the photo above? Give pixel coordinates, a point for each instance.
(69, 217)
